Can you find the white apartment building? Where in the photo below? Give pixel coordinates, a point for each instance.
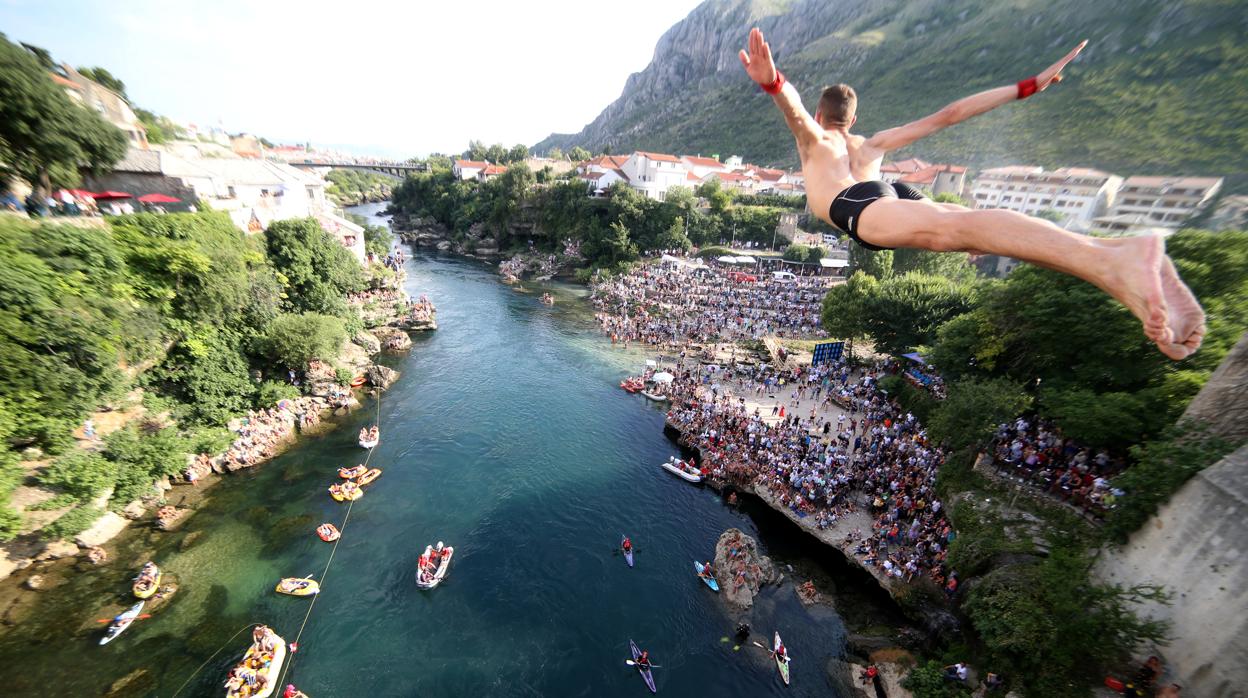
(1159, 202)
(654, 173)
(1077, 194)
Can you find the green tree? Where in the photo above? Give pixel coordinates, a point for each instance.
(294, 340)
(555, 153)
(316, 270)
(81, 474)
(517, 153)
(877, 263)
(844, 306)
(142, 455)
(105, 78)
(973, 409)
(1033, 625)
(578, 154)
(906, 311)
(674, 238)
(44, 136)
(207, 372)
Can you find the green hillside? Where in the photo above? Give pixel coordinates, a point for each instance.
(1162, 88)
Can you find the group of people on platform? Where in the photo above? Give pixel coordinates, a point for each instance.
(878, 460)
(666, 304)
(1039, 455)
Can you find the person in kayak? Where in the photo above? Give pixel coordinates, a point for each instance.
(643, 659)
(782, 654)
(707, 571)
(627, 545)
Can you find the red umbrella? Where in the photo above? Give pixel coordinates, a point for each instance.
(81, 193)
(158, 199)
(113, 195)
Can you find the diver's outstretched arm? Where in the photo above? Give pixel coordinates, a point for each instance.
(762, 70)
(965, 108)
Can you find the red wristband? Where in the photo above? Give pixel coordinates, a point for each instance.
(1026, 88)
(776, 85)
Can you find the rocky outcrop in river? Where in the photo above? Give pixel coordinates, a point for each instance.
(741, 569)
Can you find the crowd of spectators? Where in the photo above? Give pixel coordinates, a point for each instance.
(669, 303)
(1038, 454)
(864, 455)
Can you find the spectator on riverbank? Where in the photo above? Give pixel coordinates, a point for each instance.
(882, 463)
(662, 304)
(1038, 454)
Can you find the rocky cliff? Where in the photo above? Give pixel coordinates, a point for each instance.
(1160, 89)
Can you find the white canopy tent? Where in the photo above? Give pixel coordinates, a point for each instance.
(662, 377)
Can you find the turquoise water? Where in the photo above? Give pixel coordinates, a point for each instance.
(507, 438)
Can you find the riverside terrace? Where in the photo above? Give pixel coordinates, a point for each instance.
(826, 448)
(667, 304)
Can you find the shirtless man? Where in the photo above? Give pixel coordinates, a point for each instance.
(842, 172)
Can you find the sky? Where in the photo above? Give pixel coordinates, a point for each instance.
(399, 78)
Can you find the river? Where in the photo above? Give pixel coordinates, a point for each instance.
(506, 437)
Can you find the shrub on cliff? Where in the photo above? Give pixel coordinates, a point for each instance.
(142, 454)
(81, 474)
(72, 522)
(294, 340)
(316, 271)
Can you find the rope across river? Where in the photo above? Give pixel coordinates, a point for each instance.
(342, 530)
(312, 604)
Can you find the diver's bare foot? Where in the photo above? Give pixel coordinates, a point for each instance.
(1135, 279)
(1185, 320)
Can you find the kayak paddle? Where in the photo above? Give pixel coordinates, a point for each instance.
(787, 657)
(110, 620)
(632, 663)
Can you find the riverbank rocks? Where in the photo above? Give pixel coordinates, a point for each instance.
(381, 377)
(35, 582)
(887, 681)
(56, 550)
(168, 517)
(393, 339)
(134, 510)
(367, 341)
(741, 569)
(102, 531)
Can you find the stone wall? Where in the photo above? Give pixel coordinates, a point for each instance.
(1197, 548)
(1223, 402)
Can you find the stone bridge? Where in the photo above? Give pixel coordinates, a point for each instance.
(395, 170)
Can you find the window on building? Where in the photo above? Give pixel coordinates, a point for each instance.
(311, 191)
(230, 192)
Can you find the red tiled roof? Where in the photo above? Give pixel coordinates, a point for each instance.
(691, 177)
(699, 161)
(494, 170)
(660, 157)
(927, 175)
(733, 176)
(472, 164)
(905, 166)
(66, 82)
(769, 175)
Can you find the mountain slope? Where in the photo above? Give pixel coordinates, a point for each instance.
(1162, 87)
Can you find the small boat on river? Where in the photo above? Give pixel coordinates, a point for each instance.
(346, 491)
(147, 582)
(256, 676)
(368, 477)
(682, 469)
(121, 622)
(352, 473)
(328, 532)
(709, 579)
(427, 575)
(298, 586)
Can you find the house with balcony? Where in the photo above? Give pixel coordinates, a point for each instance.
(1145, 204)
(654, 173)
(1077, 195)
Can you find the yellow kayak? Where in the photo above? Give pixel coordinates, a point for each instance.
(368, 477)
(147, 582)
(298, 586)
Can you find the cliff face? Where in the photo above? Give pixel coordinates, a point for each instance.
(1129, 104)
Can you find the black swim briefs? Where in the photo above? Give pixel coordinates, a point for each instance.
(848, 205)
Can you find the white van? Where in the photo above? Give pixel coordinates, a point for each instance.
(783, 275)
